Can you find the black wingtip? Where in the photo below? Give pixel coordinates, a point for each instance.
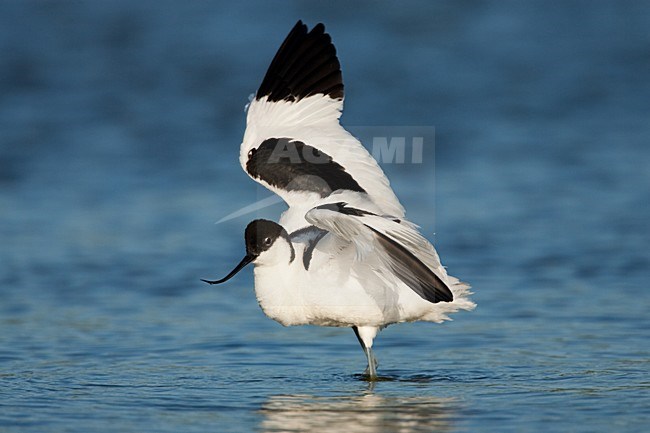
(413, 272)
(305, 65)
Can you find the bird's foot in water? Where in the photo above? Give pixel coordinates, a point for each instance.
(371, 373)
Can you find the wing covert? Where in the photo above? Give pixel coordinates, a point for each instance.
(371, 233)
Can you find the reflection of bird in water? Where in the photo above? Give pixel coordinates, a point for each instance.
(369, 413)
(343, 253)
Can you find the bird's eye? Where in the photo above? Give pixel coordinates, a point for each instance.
(251, 152)
(267, 241)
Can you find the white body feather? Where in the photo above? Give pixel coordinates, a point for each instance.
(349, 281)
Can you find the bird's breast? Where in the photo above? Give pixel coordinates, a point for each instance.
(278, 293)
(320, 296)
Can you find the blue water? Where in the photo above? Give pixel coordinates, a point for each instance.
(120, 125)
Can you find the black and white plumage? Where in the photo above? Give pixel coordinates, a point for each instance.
(294, 144)
(343, 253)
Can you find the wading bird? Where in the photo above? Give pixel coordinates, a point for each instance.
(343, 253)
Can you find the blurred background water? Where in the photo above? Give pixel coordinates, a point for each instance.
(120, 125)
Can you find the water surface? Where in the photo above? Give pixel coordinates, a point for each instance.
(120, 124)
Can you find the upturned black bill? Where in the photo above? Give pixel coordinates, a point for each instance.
(246, 260)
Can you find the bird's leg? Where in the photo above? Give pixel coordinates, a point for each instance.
(365, 341)
(371, 370)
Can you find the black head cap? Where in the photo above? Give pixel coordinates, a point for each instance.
(260, 236)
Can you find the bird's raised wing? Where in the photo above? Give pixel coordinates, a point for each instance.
(294, 144)
(399, 246)
(305, 65)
